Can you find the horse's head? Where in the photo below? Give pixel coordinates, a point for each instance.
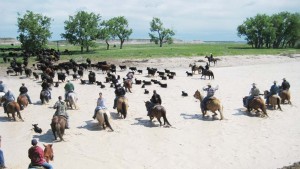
(48, 152)
(148, 105)
(197, 95)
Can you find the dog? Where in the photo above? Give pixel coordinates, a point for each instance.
(188, 73)
(146, 91)
(37, 129)
(184, 94)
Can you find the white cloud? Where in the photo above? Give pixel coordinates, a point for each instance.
(191, 19)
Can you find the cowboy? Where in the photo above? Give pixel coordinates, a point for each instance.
(210, 93)
(2, 162)
(273, 91)
(61, 110)
(206, 66)
(23, 91)
(36, 155)
(46, 87)
(100, 105)
(254, 92)
(120, 92)
(9, 97)
(155, 99)
(285, 85)
(69, 87)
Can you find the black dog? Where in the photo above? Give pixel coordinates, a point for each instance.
(146, 91)
(184, 94)
(36, 128)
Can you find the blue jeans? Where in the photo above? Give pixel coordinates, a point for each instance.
(2, 163)
(249, 98)
(45, 164)
(203, 103)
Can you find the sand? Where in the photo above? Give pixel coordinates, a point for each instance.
(239, 141)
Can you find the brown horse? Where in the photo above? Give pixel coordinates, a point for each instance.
(22, 101)
(195, 68)
(285, 95)
(256, 104)
(205, 73)
(213, 105)
(128, 85)
(158, 111)
(273, 100)
(12, 108)
(48, 152)
(122, 106)
(103, 118)
(58, 126)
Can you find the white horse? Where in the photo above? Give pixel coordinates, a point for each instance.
(103, 118)
(72, 100)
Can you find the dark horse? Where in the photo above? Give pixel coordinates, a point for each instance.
(45, 96)
(12, 107)
(210, 59)
(205, 73)
(157, 111)
(58, 126)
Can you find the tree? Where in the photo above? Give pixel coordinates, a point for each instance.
(82, 29)
(118, 27)
(164, 35)
(105, 33)
(34, 31)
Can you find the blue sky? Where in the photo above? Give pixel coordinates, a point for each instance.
(207, 20)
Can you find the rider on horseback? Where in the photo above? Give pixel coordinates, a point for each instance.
(100, 105)
(155, 99)
(23, 91)
(9, 97)
(273, 91)
(36, 155)
(120, 92)
(206, 66)
(69, 87)
(61, 110)
(285, 85)
(210, 93)
(46, 87)
(254, 92)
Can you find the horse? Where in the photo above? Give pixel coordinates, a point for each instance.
(122, 106)
(48, 152)
(22, 101)
(205, 73)
(195, 68)
(12, 107)
(212, 60)
(157, 111)
(256, 104)
(128, 85)
(273, 100)
(45, 96)
(58, 126)
(285, 95)
(213, 105)
(72, 100)
(102, 116)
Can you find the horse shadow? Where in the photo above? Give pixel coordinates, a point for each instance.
(144, 122)
(91, 125)
(196, 117)
(243, 112)
(115, 116)
(46, 137)
(8, 119)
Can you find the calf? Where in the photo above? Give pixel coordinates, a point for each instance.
(123, 67)
(36, 128)
(146, 91)
(36, 76)
(146, 82)
(133, 68)
(163, 85)
(28, 72)
(163, 77)
(188, 73)
(138, 81)
(140, 71)
(56, 84)
(61, 76)
(76, 76)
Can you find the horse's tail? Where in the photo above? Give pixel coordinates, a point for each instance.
(165, 118)
(124, 109)
(278, 103)
(264, 109)
(58, 130)
(107, 122)
(221, 112)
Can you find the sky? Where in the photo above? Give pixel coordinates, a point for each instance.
(204, 20)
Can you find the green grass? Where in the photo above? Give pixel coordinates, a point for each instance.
(148, 51)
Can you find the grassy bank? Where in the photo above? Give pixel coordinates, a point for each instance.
(147, 51)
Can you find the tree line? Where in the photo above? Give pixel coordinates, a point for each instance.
(279, 30)
(83, 29)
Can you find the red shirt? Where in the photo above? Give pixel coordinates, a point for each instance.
(36, 154)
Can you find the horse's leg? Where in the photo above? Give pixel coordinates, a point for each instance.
(158, 118)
